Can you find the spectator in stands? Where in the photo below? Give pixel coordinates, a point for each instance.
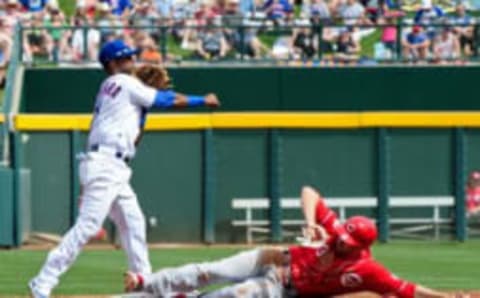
(185, 10)
(86, 8)
(211, 44)
(278, 10)
(389, 32)
(204, 14)
(232, 16)
(12, 15)
(119, 7)
(109, 23)
(248, 7)
(81, 48)
(219, 7)
(316, 10)
(282, 48)
(34, 5)
(473, 194)
(165, 8)
(39, 42)
(6, 44)
(144, 15)
(250, 45)
(446, 46)
(149, 51)
(55, 23)
(347, 48)
(463, 27)
(232, 19)
(353, 13)
(305, 42)
(415, 44)
(429, 13)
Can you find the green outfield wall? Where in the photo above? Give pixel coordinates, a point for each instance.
(187, 174)
(170, 182)
(252, 89)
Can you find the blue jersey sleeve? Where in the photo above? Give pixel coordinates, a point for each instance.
(164, 99)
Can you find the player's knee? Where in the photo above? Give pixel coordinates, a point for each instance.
(137, 219)
(87, 227)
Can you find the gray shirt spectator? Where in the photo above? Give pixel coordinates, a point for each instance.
(464, 29)
(211, 44)
(144, 15)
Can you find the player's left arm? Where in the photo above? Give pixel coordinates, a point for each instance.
(383, 282)
(157, 92)
(182, 100)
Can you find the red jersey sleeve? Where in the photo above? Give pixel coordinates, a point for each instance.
(327, 218)
(383, 282)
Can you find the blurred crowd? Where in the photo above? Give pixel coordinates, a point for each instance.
(251, 29)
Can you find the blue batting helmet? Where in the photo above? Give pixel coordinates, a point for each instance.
(116, 49)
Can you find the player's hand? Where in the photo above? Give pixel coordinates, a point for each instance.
(315, 233)
(212, 101)
(459, 295)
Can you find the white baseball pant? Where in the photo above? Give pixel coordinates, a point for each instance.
(106, 188)
(250, 278)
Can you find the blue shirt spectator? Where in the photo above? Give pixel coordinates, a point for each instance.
(34, 5)
(247, 6)
(119, 6)
(416, 37)
(165, 8)
(278, 8)
(415, 44)
(461, 18)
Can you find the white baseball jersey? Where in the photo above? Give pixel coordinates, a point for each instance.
(120, 106)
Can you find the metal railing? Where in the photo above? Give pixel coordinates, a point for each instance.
(238, 39)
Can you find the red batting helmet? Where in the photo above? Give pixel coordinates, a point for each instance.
(360, 231)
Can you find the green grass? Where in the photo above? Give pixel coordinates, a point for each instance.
(368, 42)
(67, 6)
(442, 266)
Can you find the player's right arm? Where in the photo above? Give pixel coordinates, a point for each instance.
(317, 214)
(423, 292)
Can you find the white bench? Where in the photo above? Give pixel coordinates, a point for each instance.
(415, 225)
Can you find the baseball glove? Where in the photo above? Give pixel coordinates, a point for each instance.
(154, 76)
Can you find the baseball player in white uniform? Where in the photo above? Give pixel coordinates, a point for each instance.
(120, 111)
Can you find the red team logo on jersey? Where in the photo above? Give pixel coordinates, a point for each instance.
(351, 280)
(350, 228)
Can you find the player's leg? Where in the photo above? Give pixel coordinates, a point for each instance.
(269, 284)
(98, 195)
(92, 213)
(130, 223)
(236, 268)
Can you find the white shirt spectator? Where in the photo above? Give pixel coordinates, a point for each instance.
(446, 46)
(78, 43)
